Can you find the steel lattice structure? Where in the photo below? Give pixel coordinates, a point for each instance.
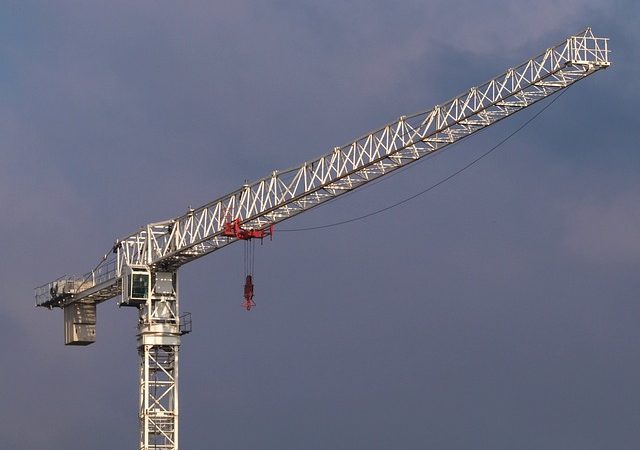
(162, 248)
(284, 194)
(158, 348)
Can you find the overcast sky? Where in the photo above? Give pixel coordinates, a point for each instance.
(500, 311)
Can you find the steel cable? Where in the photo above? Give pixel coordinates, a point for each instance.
(435, 185)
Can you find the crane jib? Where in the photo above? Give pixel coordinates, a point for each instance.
(252, 210)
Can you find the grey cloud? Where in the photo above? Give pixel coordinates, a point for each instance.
(473, 317)
(606, 230)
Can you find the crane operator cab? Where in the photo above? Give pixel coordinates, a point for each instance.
(136, 285)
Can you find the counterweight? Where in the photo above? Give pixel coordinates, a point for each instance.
(142, 267)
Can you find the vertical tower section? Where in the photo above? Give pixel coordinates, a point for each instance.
(158, 346)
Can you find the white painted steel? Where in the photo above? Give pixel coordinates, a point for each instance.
(158, 348)
(169, 244)
(163, 247)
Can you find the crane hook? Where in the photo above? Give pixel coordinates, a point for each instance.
(248, 294)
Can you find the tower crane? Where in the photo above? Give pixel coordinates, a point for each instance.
(142, 268)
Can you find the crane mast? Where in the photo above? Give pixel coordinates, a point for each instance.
(142, 268)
